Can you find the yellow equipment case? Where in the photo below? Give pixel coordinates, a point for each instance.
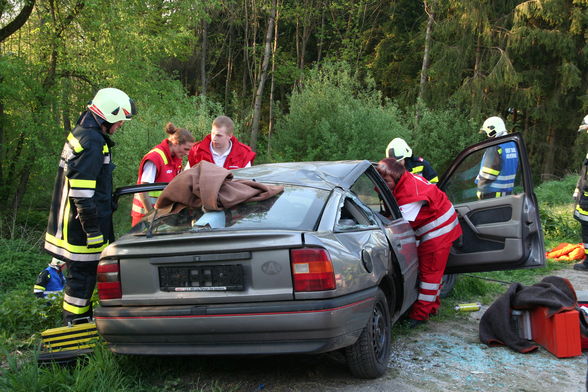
(64, 344)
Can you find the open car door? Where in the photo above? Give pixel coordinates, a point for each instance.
(497, 208)
(123, 199)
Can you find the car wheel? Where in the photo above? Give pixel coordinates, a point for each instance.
(447, 284)
(368, 356)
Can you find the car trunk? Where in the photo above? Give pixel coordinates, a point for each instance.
(204, 268)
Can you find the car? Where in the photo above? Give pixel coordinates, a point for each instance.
(314, 269)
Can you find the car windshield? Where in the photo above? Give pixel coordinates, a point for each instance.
(297, 208)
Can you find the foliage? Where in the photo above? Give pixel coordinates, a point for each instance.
(20, 263)
(336, 114)
(556, 210)
(23, 315)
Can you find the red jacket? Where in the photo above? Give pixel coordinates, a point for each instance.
(239, 156)
(167, 168)
(436, 224)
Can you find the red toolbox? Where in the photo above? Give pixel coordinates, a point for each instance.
(559, 334)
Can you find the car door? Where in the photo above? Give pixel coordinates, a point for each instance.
(501, 230)
(123, 200)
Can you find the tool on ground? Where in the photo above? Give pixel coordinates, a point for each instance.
(472, 307)
(65, 344)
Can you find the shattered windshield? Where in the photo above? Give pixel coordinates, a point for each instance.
(297, 208)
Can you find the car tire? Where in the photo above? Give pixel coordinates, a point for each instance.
(447, 284)
(368, 357)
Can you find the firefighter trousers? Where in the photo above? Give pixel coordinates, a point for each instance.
(79, 286)
(431, 271)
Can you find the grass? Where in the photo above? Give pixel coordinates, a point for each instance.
(23, 316)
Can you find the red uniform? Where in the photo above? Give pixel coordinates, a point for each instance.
(240, 155)
(167, 168)
(436, 227)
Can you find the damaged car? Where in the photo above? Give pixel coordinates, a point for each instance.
(313, 268)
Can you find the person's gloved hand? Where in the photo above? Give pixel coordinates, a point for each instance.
(95, 240)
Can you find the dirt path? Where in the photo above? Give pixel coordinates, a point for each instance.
(443, 356)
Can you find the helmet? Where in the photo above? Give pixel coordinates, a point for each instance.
(112, 105)
(584, 125)
(56, 263)
(493, 127)
(398, 149)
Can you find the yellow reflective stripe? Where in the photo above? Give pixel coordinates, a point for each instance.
(74, 309)
(161, 153)
(500, 150)
(37, 287)
(105, 149)
(72, 248)
(88, 184)
(490, 171)
(417, 169)
(154, 193)
(75, 143)
(434, 180)
(581, 211)
(585, 193)
(76, 347)
(95, 240)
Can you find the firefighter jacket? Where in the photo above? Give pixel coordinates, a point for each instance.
(436, 224)
(581, 194)
(498, 170)
(49, 282)
(167, 168)
(80, 219)
(240, 155)
(421, 167)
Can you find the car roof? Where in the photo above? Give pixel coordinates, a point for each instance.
(320, 174)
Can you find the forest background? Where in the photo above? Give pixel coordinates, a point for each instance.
(303, 80)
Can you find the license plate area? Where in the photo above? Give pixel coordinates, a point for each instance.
(201, 278)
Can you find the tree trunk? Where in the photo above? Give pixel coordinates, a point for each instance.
(426, 60)
(262, 76)
(548, 158)
(203, 50)
(229, 69)
(271, 97)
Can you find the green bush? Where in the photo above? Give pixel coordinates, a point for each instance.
(556, 210)
(20, 263)
(336, 115)
(23, 315)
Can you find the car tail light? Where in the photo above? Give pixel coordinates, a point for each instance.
(108, 278)
(312, 269)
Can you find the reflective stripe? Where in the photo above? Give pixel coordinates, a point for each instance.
(503, 186)
(429, 286)
(105, 149)
(505, 178)
(581, 211)
(64, 202)
(75, 300)
(434, 180)
(95, 240)
(72, 248)
(436, 223)
(417, 169)
(161, 153)
(106, 159)
(139, 209)
(75, 143)
(75, 309)
(490, 171)
(440, 232)
(487, 176)
(38, 288)
(88, 184)
(427, 298)
(81, 193)
(581, 214)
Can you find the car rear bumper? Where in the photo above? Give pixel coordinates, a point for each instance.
(311, 326)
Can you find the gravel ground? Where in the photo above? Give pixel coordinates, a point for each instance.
(441, 356)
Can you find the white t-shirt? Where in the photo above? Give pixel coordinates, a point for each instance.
(149, 172)
(411, 210)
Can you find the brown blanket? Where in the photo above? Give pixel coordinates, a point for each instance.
(212, 188)
(553, 292)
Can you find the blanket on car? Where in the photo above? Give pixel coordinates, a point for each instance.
(497, 326)
(212, 188)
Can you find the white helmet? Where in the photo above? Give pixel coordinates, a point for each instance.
(584, 125)
(398, 149)
(112, 105)
(494, 127)
(56, 263)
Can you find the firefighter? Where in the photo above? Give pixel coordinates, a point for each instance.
(50, 281)
(498, 169)
(80, 219)
(581, 199)
(400, 150)
(436, 226)
(161, 164)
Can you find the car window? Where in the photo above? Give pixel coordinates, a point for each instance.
(353, 216)
(297, 208)
(368, 192)
(486, 174)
